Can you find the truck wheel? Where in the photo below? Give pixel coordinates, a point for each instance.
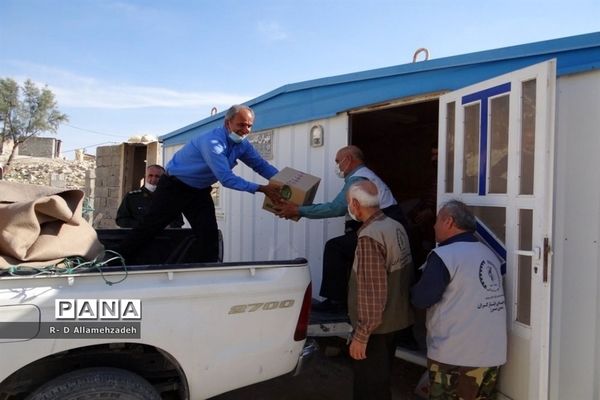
(95, 383)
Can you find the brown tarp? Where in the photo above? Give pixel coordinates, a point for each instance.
(41, 225)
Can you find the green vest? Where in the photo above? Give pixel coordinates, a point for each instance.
(398, 313)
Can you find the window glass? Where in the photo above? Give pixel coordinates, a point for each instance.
(527, 137)
(471, 147)
(524, 268)
(498, 144)
(494, 219)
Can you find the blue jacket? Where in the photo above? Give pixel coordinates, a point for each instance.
(210, 157)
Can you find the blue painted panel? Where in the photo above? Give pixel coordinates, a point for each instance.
(489, 239)
(326, 97)
(483, 97)
(486, 94)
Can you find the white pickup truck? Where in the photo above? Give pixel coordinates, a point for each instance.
(198, 330)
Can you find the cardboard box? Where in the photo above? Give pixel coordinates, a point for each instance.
(296, 187)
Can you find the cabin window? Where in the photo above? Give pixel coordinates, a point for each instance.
(498, 144)
(524, 267)
(527, 174)
(471, 149)
(449, 170)
(494, 220)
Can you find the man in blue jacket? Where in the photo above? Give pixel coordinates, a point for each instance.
(187, 185)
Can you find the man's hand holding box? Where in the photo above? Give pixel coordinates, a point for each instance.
(297, 188)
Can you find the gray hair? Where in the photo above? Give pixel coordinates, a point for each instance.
(354, 151)
(365, 192)
(463, 217)
(236, 108)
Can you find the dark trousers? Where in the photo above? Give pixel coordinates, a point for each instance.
(372, 376)
(173, 197)
(338, 257)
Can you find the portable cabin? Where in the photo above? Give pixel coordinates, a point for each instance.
(519, 140)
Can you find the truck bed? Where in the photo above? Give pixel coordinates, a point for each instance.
(171, 246)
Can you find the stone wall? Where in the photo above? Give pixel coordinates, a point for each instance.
(40, 147)
(6, 147)
(119, 169)
(49, 172)
(108, 185)
(104, 178)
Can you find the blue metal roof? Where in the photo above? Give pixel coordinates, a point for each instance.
(326, 97)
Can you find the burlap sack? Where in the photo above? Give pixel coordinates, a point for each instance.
(41, 225)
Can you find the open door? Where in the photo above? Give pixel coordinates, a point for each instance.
(496, 155)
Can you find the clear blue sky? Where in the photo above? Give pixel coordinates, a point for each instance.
(122, 68)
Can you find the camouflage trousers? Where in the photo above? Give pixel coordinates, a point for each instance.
(451, 382)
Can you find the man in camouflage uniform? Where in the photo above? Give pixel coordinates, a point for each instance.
(461, 287)
(452, 382)
(136, 203)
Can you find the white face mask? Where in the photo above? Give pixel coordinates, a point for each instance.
(352, 215)
(236, 138)
(150, 187)
(338, 171)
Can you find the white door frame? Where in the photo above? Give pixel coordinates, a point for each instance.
(536, 334)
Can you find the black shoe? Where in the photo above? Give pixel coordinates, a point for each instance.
(330, 306)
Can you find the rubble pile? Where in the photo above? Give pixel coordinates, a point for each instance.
(47, 171)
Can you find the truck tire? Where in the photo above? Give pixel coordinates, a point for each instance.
(97, 383)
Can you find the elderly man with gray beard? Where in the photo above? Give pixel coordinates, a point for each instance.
(378, 301)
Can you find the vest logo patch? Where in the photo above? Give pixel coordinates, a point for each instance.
(489, 276)
(401, 239)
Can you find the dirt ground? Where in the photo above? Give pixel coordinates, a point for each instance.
(327, 377)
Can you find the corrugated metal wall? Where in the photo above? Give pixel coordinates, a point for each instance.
(253, 234)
